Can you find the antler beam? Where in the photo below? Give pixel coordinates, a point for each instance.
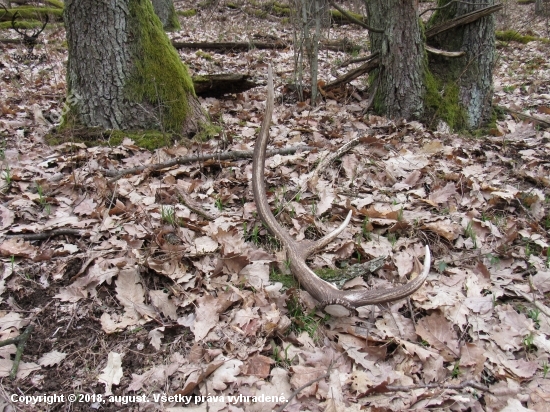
(298, 252)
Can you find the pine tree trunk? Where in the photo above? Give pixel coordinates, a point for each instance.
(401, 53)
(167, 14)
(122, 71)
(472, 73)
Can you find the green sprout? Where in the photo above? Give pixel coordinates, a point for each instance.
(168, 215)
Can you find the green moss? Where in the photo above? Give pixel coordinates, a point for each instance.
(147, 139)
(340, 18)
(187, 13)
(288, 281)
(231, 5)
(22, 24)
(30, 13)
(204, 55)
(329, 274)
(55, 3)
(207, 132)
(159, 78)
(260, 14)
(441, 102)
(278, 9)
(512, 35)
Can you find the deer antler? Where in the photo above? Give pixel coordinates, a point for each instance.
(298, 252)
(29, 41)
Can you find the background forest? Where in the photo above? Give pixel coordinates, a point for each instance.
(133, 261)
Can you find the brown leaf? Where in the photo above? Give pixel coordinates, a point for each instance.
(442, 195)
(472, 354)
(521, 368)
(17, 247)
(305, 374)
(6, 217)
(439, 333)
(258, 365)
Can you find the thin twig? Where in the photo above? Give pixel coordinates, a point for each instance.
(21, 342)
(545, 123)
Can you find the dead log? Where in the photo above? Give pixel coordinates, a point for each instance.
(230, 46)
(215, 85)
(338, 45)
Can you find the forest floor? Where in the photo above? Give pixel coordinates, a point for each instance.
(171, 286)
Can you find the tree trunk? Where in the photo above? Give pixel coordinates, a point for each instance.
(309, 17)
(472, 74)
(401, 53)
(167, 14)
(122, 71)
(542, 7)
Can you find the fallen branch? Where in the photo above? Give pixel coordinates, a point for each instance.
(344, 45)
(407, 388)
(543, 308)
(14, 41)
(230, 45)
(194, 207)
(215, 85)
(46, 235)
(366, 67)
(355, 60)
(462, 20)
(545, 123)
(234, 155)
(21, 341)
(322, 165)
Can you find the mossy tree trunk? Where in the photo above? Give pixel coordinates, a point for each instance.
(400, 77)
(167, 14)
(473, 72)
(123, 72)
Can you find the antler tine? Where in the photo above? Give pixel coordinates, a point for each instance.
(35, 35)
(325, 240)
(13, 18)
(298, 252)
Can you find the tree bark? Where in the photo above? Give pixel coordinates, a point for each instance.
(122, 71)
(167, 14)
(542, 7)
(472, 72)
(401, 55)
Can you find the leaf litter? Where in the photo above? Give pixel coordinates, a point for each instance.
(169, 287)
